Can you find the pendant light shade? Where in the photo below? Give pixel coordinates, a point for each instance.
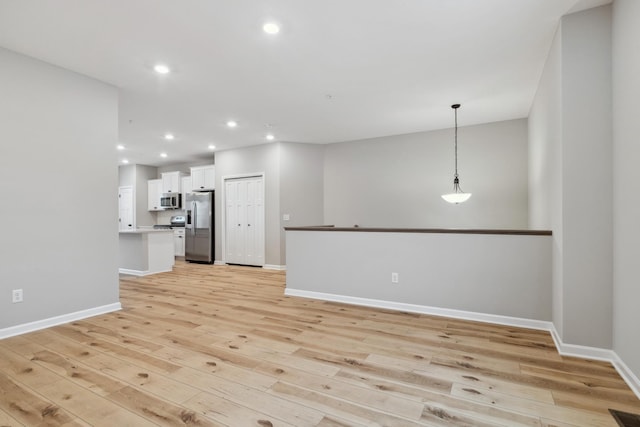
(458, 196)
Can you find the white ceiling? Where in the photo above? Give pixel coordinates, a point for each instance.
(339, 70)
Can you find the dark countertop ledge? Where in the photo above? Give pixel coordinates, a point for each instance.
(422, 230)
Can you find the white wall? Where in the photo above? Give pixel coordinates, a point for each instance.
(186, 167)
(126, 175)
(626, 177)
(545, 166)
(545, 142)
(164, 217)
(58, 170)
(261, 158)
(143, 174)
(587, 178)
(397, 181)
(571, 175)
(137, 177)
(393, 181)
(293, 185)
(301, 187)
(499, 275)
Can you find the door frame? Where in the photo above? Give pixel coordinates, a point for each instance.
(223, 204)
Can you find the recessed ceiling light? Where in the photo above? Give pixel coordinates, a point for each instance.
(270, 137)
(125, 161)
(120, 147)
(161, 69)
(169, 136)
(212, 147)
(271, 28)
(163, 155)
(232, 123)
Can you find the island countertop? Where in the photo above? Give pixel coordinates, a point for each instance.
(147, 230)
(423, 230)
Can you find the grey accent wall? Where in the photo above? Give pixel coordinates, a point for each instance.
(301, 187)
(626, 180)
(261, 158)
(571, 175)
(57, 167)
(397, 181)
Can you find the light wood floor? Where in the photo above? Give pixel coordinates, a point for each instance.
(221, 345)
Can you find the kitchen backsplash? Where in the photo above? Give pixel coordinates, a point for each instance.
(164, 217)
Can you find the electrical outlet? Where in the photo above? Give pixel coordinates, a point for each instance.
(16, 295)
(286, 217)
(394, 278)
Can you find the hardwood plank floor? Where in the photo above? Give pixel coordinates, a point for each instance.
(222, 346)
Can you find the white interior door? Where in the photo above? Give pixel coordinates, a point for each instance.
(125, 208)
(244, 221)
(233, 222)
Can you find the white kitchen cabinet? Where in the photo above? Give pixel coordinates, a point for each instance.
(171, 182)
(203, 178)
(154, 192)
(178, 241)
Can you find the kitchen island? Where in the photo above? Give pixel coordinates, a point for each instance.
(146, 251)
(500, 276)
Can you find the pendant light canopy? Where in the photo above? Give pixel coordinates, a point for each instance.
(458, 196)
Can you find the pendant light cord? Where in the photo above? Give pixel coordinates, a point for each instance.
(455, 110)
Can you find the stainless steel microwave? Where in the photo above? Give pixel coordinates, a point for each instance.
(171, 200)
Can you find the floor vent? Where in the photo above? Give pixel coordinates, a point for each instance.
(626, 419)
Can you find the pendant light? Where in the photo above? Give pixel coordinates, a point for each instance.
(458, 196)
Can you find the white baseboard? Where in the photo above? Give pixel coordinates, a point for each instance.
(423, 309)
(584, 352)
(595, 353)
(629, 377)
(266, 266)
(140, 272)
(57, 320)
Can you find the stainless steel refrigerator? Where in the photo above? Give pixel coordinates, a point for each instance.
(199, 236)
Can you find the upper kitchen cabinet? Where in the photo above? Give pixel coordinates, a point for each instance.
(203, 178)
(171, 182)
(154, 192)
